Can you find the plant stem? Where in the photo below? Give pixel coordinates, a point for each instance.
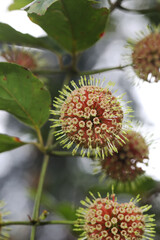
(38, 195)
(37, 223)
(92, 71)
(66, 154)
(40, 188)
(142, 11)
(115, 5)
(43, 173)
(118, 5)
(103, 70)
(40, 139)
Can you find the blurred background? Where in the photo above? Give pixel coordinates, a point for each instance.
(68, 180)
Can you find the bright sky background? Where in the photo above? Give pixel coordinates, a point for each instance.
(149, 94)
(18, 20)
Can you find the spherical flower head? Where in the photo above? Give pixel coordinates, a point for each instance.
(90, 116)
(122, 165)
(146, 57)
(106, 219)
(19, 56)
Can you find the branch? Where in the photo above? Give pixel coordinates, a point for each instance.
(40, 139)
(115, 5)
(67, 154)
(79, 72)
(64, 154)
(37, 223)
(143, 11)
(39, 194)
(103, 70)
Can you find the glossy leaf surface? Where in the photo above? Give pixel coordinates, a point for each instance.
(75, 25)
(23, 95)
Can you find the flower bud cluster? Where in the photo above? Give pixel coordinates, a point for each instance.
(19, 56)
(123, 165)
(146, 57)
(106, 219)
(90, 117)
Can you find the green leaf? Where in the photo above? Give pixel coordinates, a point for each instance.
(37, 6)
(9, 142)
(75, 25)
(18, 4)
(66, 210)
(23, 95)
(140, 185)
(10, 35)
(40, 6)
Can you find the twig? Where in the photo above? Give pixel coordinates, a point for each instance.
(115, 5)
(103, 70)
(143, 11)
(37, 223)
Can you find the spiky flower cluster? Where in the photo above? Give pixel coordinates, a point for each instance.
(90, 116)
(123, 165)
(19, 56)
(3, 230)
(146, 57)
(106, 219)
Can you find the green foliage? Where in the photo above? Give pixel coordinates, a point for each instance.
(23, 95)
(9, 142)
(140, 186)
(18, 4)
(66, 210)
(71, 26)
(74, 32)
(40, 6)
(10, 35)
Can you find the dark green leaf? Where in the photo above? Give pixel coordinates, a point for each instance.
(75, 25)
(23, 95)
(10, 35)
(9, 142)
(18, 4)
